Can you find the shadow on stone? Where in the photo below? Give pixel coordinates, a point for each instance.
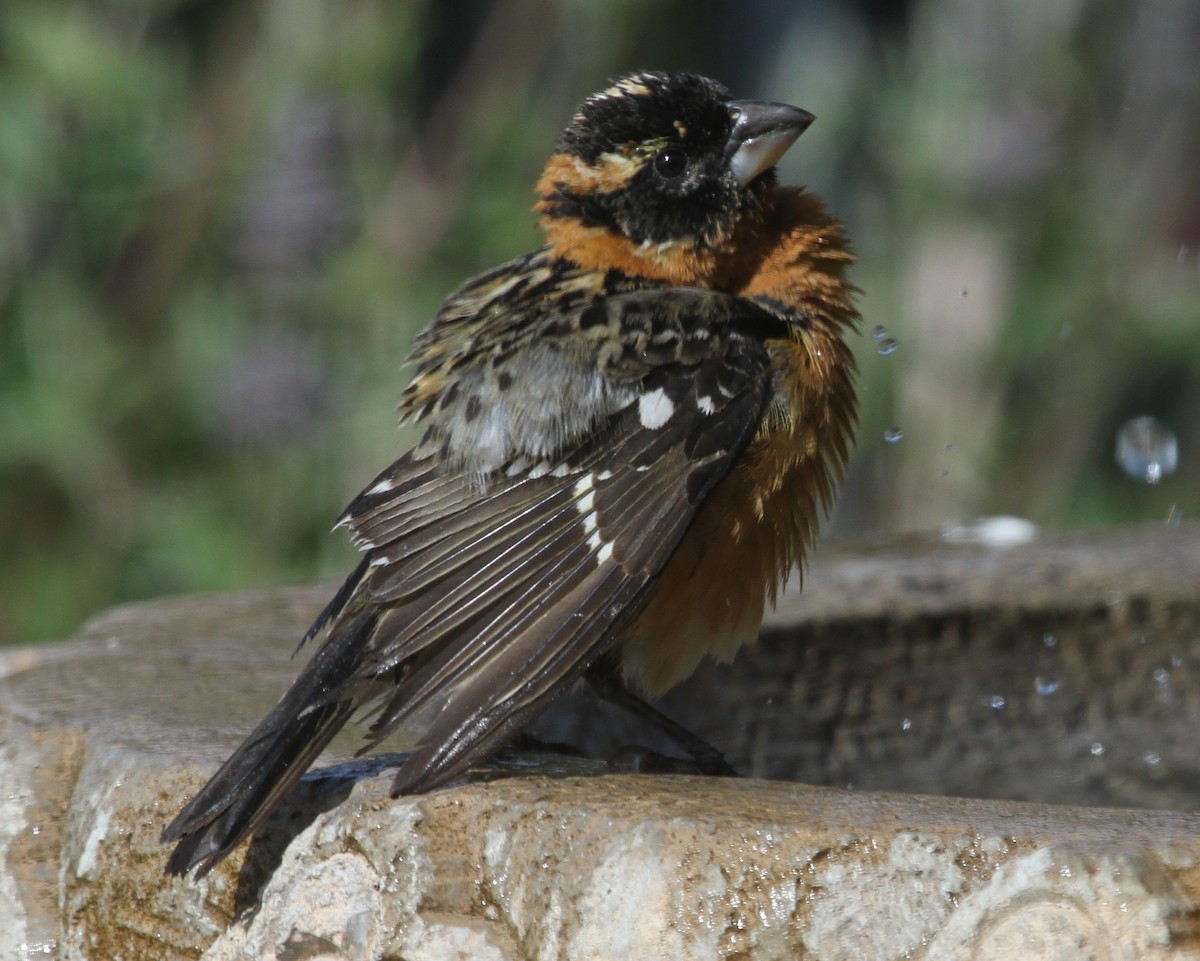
(319, 791)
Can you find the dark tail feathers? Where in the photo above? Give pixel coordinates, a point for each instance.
(250, 785)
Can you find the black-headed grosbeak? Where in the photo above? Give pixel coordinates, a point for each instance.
(629, 437)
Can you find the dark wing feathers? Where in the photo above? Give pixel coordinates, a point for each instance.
(497, 603)
(515, 600)
(491, 594)
(482, 538)
(480, 717)
(460, 581)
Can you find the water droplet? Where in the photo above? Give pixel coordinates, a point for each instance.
(1176, 660)
(906, 724)
(994, 531)
(1182, 256)
(963, 292)
(1147, 450)
(879, 331)
(1162, 676)
(1152, 758)
(1097, 749)
(893, 435)
(1174, 516)
(887, 347)
(1045, 686)
(1049, 640)
(996, 703)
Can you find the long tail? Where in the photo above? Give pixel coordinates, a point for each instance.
(250, 785)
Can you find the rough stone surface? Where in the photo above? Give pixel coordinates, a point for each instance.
(541, 857)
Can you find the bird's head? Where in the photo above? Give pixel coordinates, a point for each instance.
(662, 168)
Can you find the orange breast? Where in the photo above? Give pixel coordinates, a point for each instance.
(758, 522)
(709, 599)
(748, 536)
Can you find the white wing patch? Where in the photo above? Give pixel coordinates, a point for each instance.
(655, 409)
(706, 405)
(586, 503)
(585, 500)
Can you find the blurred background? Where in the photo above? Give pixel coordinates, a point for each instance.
(223, 221)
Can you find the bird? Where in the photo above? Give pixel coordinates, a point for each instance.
(627, 439)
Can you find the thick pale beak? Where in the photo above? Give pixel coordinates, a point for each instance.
(762, 133)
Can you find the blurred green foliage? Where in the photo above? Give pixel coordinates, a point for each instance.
(222, 222)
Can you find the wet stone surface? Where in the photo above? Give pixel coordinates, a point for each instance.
(1062, 672)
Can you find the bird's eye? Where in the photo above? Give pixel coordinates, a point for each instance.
(670, 163)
